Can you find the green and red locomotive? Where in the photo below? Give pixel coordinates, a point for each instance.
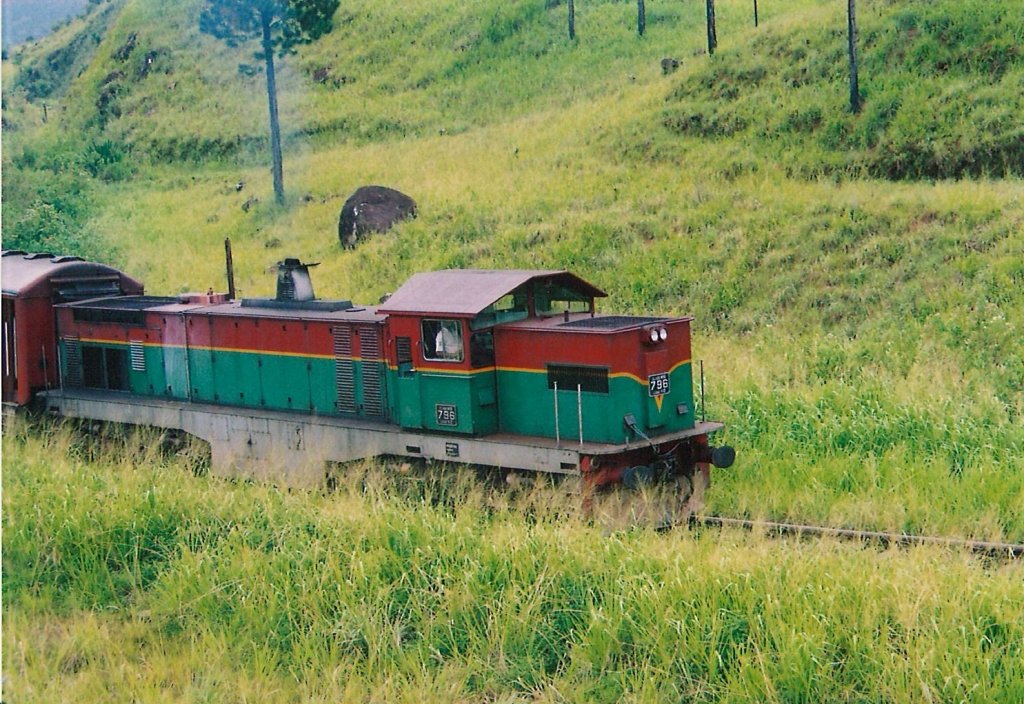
(508, 368)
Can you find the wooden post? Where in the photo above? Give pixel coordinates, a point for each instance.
(755, 13)
(712, 39)
(641, 17)
(45, 116)
(229, 263)
(572, 19)
(854, 87)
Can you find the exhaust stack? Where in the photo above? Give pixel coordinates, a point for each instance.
(293, 280)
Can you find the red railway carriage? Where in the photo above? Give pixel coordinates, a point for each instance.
(32, 284)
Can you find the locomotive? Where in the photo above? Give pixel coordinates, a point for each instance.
(505, 368)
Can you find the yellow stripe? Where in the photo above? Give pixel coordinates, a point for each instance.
(615, 375)
(239, 350)
(435, 370)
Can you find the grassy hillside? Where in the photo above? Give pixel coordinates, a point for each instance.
(858, 287)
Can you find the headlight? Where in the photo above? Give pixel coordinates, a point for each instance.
(654, 336)
(663, 334)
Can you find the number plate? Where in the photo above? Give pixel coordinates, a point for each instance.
(657, 384)
(446, 414)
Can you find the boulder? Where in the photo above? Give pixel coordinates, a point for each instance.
(372, 209)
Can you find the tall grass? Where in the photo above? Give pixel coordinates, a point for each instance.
(126, 577)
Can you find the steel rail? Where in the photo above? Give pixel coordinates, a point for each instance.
(981, 547)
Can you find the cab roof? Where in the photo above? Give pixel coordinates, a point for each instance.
(467, 292)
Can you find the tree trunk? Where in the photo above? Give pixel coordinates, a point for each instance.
(712, 38)
(572, 19)
(641, 17)
(276, 168)
(854, 87)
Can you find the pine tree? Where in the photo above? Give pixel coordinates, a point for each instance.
(280, 26)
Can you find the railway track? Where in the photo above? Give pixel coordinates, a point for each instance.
(980, 547)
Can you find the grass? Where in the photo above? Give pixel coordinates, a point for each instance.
(127, 577)
(857, 288)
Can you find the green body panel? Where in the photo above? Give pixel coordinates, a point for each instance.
(174, 361)
(323, 392)
(279, 382)
(152, 379)
(285, 381)
(259, 380)
(527, 407)
(473, 396)
(408, 402)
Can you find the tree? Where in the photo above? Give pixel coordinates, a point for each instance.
(641, 17)
(851, 16)
(280, 26)
(572, 20)
(712, 36)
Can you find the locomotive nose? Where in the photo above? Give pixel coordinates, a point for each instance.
(723, 456)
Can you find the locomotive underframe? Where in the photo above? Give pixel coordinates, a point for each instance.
(294, 448)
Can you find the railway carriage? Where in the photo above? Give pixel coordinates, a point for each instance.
(32, 283)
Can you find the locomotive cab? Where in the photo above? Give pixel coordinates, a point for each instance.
(524, 352)
(445, 329)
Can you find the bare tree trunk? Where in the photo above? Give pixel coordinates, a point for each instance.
(641, 17)
(276, 168)
(712, 38)
(572, 19)
(854, 87)
(755, 13)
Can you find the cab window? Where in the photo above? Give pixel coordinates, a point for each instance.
(442, 340)
(506, 309)
(552, 299)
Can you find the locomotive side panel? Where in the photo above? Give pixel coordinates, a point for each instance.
(602, 376)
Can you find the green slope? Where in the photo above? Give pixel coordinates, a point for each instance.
(858, 287)
(738, 189)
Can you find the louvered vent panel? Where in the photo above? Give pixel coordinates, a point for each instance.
(373, 392)
(403, 347)
(73, 361)
(138, 354)
(344, 370)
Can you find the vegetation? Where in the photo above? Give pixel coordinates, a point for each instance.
(124, 579)
(858, 287)
(279, 27)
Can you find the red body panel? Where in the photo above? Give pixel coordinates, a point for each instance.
(33, 355)
(623, 351)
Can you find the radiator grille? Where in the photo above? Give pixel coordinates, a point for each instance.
(344, 370)
(373, 392)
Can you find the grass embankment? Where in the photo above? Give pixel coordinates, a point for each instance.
(125, 576)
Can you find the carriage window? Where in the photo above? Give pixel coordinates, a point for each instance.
(442, 340)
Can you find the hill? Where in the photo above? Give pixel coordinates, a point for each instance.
(857, 282)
